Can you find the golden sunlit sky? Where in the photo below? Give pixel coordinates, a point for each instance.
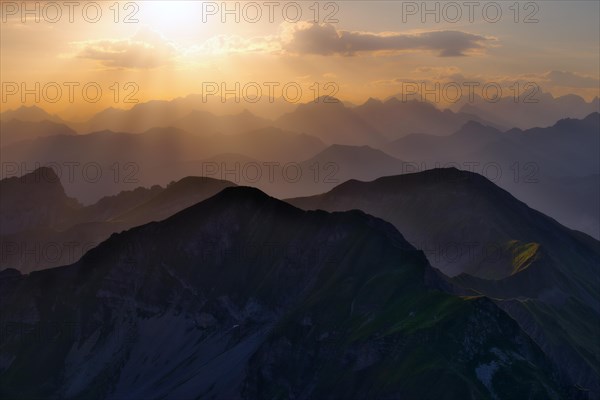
(366, 48)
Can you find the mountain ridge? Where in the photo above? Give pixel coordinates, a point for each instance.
(196, 295)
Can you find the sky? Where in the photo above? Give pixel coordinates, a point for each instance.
(81, 57)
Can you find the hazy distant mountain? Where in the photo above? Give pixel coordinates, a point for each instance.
(566, 148)
(331, 121)
(268, 144)
(157, 113)
(138, 119)
(336, 164)
(42, 228)
(531, 113)
(30, 114)
(421, 147)
(574, 201)
(498, 246)
(205, 122)
(395, 118)
(109, 162)
(569, 147)
(357, 161)
(186, 112)
(244, 296)
(146, 116)
(14, 130)
(264, 106)
(284, 178)
(527, 163)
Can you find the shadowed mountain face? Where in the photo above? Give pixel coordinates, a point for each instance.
(15, 130)
(545, 274)
(467, 222)
(43, 228)
(244, 296)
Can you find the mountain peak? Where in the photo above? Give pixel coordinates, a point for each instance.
(568, 124)
(230, 198)
(246, 113)
(472, 124)
(373, 102)
(41, 175)
(29, 113)
(36, 199)
(328, 99)
(473, 127)
(243, 193)
(30, 108)
(337, 146)
(322, 101)
(364, 153)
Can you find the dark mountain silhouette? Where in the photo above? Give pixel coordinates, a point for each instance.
(110, 207)
(15, 130)
(174, 198)
(244, 296)
(497, 246)
(482, 213)
(43, 228)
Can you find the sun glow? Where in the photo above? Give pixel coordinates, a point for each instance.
(176, 18)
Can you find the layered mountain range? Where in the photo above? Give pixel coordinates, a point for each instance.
(245, 296)
(421, 253)
(543, 274)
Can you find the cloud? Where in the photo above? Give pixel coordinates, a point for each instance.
(325, 39)
(145, 50)
(228, 44)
